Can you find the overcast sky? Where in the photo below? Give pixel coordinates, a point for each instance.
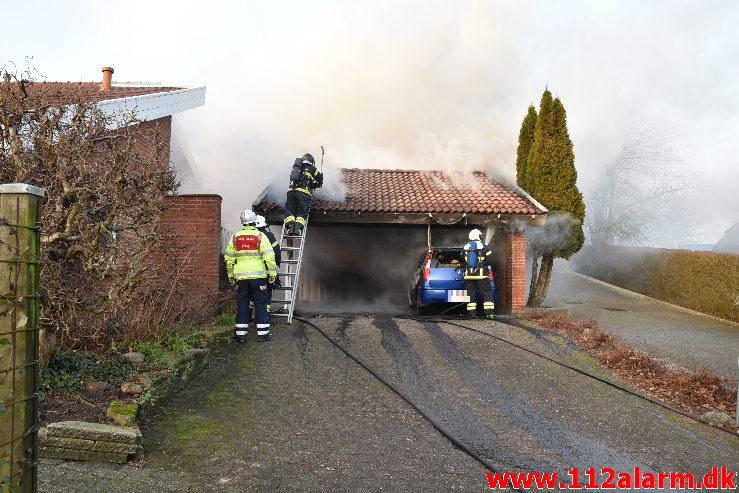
(414, 84)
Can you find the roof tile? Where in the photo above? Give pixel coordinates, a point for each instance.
(426, 191)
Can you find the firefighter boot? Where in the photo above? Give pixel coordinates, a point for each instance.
(264, 337)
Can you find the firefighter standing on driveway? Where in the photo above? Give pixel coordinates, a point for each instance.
(304, 178)
(261, 225)
(478, 260)
(250, 264)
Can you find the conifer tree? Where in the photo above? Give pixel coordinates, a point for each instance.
(525, 141)
(550, 177)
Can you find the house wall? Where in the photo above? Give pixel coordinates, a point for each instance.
(193, 253)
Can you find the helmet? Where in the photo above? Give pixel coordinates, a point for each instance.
(476, 235)
(248, 217)
(261, 222)
(308, 158)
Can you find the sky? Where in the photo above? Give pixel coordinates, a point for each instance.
(416, 84)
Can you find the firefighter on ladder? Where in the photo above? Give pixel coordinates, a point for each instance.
(250, 265)
(304, 178)
(478, 258)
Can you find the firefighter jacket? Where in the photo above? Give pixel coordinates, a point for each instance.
(275, 244)
(249, 255)
(484, 260)
(310, 179)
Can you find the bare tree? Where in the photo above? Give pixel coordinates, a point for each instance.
(105, 177)
(635, 193)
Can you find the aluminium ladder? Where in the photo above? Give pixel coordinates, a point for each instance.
(291, 248)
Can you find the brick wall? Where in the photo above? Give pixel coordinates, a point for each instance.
(193, 254)
(510, 275)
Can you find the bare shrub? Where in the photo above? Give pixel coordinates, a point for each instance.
(691, 391)
(105, 178)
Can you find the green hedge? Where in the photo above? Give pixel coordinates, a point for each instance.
(707, 282)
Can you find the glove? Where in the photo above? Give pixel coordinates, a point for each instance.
(231, 281)
(276, 284)
(271, 279)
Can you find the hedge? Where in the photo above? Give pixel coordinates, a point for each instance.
(706, 282)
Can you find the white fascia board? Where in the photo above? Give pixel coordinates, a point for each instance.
(529, 197)
(152, 106)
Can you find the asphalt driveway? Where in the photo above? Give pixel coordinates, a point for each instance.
(297, 414)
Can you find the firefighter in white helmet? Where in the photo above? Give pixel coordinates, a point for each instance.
(478, 258)
(262, 226)
(250, 265)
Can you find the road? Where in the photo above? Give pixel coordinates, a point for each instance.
(679, 336)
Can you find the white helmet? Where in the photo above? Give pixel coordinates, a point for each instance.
(248, 217)
(476, 235)
(261, 222)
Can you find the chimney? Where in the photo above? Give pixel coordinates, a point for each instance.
(107, 78)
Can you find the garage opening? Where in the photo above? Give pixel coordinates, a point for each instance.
(366, 268)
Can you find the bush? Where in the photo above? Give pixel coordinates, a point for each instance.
(67, 370)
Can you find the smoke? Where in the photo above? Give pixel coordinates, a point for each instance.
(439, 84)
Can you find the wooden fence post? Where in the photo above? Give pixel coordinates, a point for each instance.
(19, 313)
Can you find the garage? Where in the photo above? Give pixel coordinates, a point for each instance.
(361, 248)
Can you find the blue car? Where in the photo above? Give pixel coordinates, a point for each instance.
(439, 278)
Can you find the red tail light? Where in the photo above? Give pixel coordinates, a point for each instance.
(427, 268)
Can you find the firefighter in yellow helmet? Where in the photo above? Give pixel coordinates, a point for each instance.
(478, 258)
(250, 265)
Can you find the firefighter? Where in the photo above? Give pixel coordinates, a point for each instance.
(304, 178)
(478, 258)
(261, 225)
(250, 265)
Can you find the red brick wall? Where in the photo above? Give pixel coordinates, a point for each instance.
(195, 247)
(510, 275)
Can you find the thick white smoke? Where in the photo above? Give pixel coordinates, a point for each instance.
(438, 84)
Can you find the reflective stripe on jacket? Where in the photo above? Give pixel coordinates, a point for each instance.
(249, 255)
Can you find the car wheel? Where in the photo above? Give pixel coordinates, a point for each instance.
(420, 309)
(412, 300)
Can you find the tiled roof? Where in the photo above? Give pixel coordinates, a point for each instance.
(413, 191)
(67, 92)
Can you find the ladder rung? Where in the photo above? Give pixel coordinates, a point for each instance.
(289, 248)
(287, 273)
(289, 261)
(285, 288)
